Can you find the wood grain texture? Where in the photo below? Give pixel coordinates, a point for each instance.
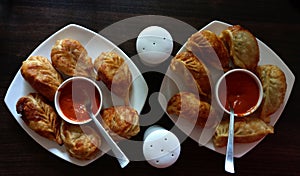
(25, 24)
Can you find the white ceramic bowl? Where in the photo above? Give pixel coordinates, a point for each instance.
(221, 99)
(77, 88)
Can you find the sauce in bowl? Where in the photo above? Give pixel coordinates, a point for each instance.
(240, 89)
(71, 98)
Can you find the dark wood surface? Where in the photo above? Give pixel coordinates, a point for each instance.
(25, 24)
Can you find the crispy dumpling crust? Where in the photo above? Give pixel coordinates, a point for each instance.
(246, 130)
(187, 105)
(71, 58)
(194, 72)
(114, 72)
(242, 46)
(81, 142)
(41, 75)
(207, 46)
(39, 116)
(121, 121)
(274, 88)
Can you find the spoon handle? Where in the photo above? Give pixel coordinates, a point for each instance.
(229, 165)
(123, 160)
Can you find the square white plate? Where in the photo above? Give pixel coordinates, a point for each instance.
(169, 88)
(94, 44)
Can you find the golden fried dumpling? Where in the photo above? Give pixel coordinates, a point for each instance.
(274, 88)
(70, 58)
(121, 121)
(242, 46)
(115, 73)
(81, 142)
(41, 75)
(207, 46)
(39, 116)
(246, 130)
(194, 72)
(187, 105)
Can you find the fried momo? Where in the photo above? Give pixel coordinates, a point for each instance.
(81, 142)
(70, 58)
(274, 88)
(246, 130)
(39, 116)
(41, 75)
(115, 73)
(242, 46)
(194, 72)
(187, 105)
(121, 121)
(207, 46)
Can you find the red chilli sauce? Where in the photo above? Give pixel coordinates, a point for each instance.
(72, 99)
(242, 92)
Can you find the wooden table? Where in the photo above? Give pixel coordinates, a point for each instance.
(25, 24)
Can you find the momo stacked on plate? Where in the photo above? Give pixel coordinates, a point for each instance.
(207, 53)
(69, 58)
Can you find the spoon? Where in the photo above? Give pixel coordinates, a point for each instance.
(123, 160)
(229, 165)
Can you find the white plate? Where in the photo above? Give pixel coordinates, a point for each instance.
(94, 44)
(267, 56)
